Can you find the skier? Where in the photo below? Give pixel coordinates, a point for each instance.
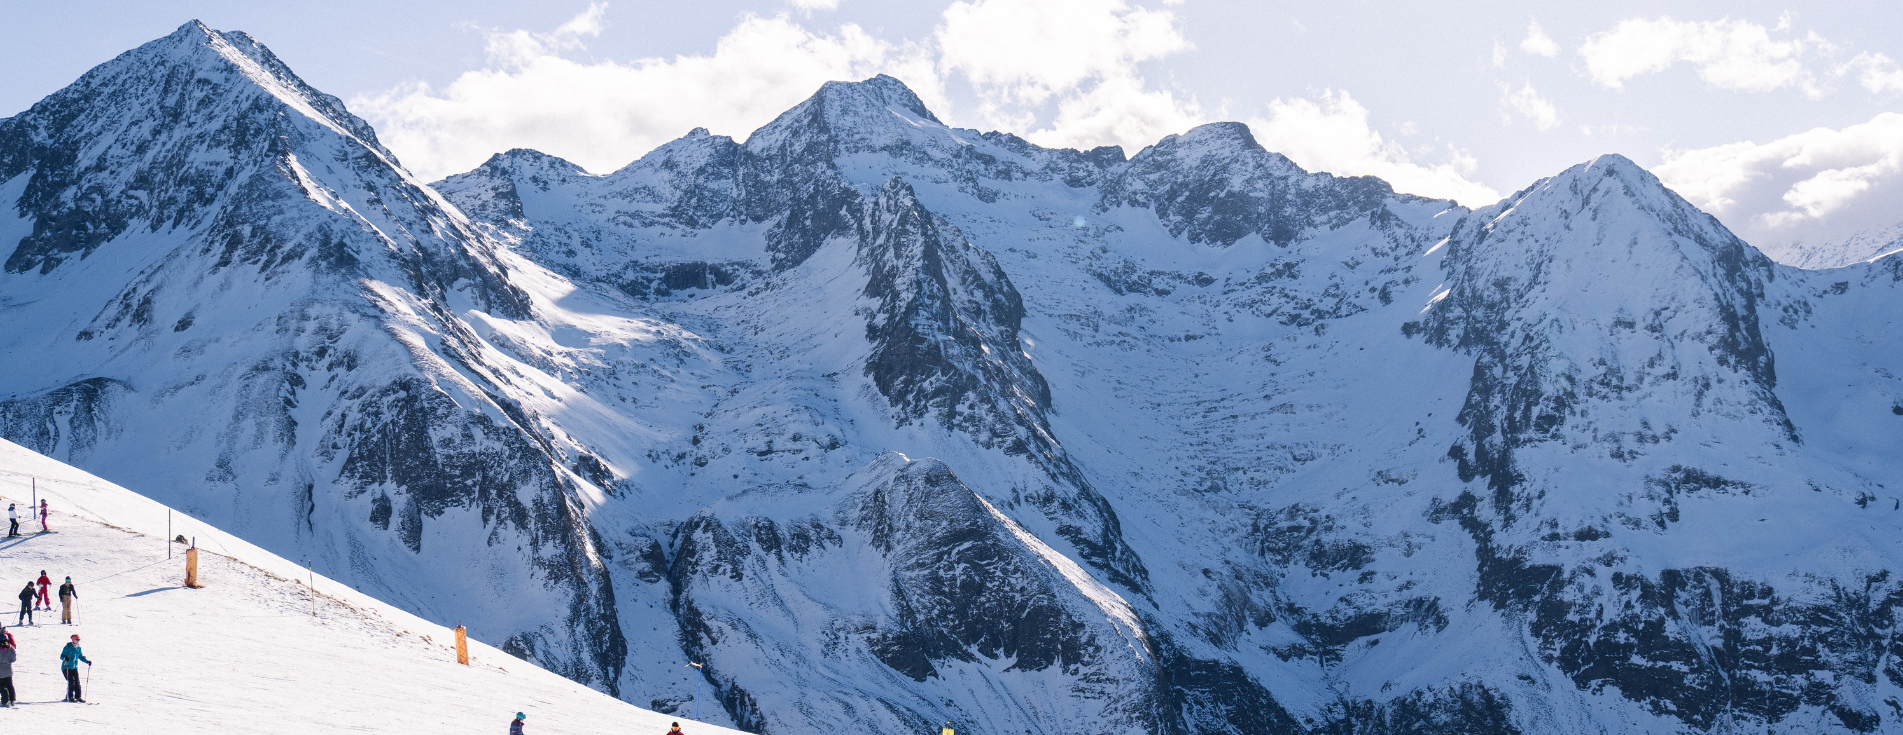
(676, 730)
(45, 602)
(26, 605)
(43, 514)
(515, 726)
(69, 658)
(13, 516)
(7, 655)
(67, 594)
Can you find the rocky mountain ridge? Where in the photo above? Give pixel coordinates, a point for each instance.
(889, 423)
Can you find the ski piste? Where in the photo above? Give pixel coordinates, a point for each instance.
(170, 659)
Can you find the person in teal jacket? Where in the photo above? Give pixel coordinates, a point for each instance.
(69, 658)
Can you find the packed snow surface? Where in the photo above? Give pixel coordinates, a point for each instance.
(248, 652)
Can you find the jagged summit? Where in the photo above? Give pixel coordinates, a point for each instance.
(132, 141)
(196, 43)
(1228, 139)
(534, 158)
(843, 117)
(1215, 184)
(1636, 184)
(1608, 194)
(881, 90)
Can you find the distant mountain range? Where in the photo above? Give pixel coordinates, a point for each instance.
(889, 423)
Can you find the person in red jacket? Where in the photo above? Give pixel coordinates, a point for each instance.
(45, 602)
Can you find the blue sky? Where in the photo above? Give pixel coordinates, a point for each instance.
(1786, 121)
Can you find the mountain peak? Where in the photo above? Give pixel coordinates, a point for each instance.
(1220, 141)
(884, 90)
(1234, 133)
(876, 113)
(192, 28)
(529, 158)
(200, 53)
(1635, 181)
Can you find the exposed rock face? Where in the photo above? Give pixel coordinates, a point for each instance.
(1216, 185)
(1011, 620)
(1205, 443)
(945, 331)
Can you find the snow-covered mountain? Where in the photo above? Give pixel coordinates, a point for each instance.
(890, 423)
(222, 289)
(1857, 248)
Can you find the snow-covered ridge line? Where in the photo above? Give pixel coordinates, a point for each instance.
(1318, 446)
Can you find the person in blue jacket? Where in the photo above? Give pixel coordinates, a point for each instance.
(69, 658)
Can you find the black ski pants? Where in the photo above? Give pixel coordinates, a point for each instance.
(7, 697)
(15, 529)
(26, 612)
(72, 683)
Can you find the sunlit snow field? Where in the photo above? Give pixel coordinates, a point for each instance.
(245, 653)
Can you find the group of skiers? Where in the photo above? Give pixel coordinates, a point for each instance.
(515, 726)
(70, 658)
(34, 597)
(13, 518)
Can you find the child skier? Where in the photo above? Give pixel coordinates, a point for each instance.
(69, 658)
(43, 514)
(515, 726)
(13, 517)
(45, 601)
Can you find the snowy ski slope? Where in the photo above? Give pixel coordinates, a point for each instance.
(245, 654)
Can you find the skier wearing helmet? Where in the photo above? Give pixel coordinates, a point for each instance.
(69, 658)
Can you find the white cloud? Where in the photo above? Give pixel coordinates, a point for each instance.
(810, 5)
(1118, 111)
(1059, 72)
(520, 47)
(1729, 54)
(1528, 104)
(1814, 186)
(1029, 50)
(1333, 135)
(1074, 62)
(1611, 129)
(1499, 54)
(1876, 72)
(602, 115)
(1538, 43)
(1082, 55)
